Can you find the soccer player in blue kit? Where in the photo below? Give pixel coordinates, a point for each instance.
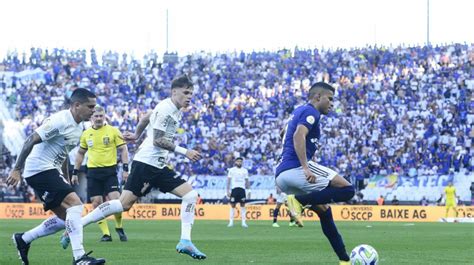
(308, 183)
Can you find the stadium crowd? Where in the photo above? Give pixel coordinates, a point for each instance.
(404, 110)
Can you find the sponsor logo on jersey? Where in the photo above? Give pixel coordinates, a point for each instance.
(52, 133)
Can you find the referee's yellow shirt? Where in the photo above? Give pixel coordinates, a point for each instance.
(101, 145)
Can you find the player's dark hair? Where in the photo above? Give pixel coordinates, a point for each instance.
(181, 81)
(318, 87)
(81, 95)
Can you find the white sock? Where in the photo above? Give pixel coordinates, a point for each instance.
(243, 212)
(231, 215)
(102, 211)
(74, 229)
(49, 226)
(187, 214)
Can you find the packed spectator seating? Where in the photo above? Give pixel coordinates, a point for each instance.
(403, 110)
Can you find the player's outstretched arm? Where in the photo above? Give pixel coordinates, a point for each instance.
(15, 175)
(161, 141)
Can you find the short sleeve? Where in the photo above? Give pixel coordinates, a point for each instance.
(118, 137)
(161, 121)
(50, 128)
(83, 142)
(309, 117)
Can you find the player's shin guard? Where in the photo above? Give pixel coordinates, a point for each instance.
(187, 214)
(330, 231)
(102, 211)
(328, 195)
(74, 230)
(49, 226)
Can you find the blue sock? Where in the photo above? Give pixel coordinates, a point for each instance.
(328, 195)
(330, 231)
(275, 214)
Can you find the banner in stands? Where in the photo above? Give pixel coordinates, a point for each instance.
(23, 76)
(255, 212)
(393, 181)
(257, 182)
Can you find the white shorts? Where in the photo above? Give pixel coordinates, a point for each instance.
(293, 181)
(281, 197)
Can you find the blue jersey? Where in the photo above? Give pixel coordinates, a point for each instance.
(308, 116)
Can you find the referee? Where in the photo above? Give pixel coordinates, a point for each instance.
(102, 142)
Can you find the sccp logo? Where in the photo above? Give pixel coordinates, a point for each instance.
(141, 213)
(362, 214)
(15, 211)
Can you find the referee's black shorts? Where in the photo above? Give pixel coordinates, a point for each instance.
(102, 181)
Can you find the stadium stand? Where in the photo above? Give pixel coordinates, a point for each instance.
(401, 114)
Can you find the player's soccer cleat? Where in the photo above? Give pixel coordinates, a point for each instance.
(106, 238)
(22, 247)
(275, 225)
(342, 262)
(292, 224)
(122, 235)
(64, 241)
(295, 208)
(230, 225)
(187, 247)
(86, 260)
(244, 225)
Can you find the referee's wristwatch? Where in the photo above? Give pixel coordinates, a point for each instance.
(75, 172)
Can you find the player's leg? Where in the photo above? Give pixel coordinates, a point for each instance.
(139, 183)
(104, 227)
(329, 187)
(455, 211)
(276, 211)
(241, 197)
(51, 189)
(124, 203)
(49, 226)
(447, 210)
(57, 195)
(330, 231)
(189, 198)
(293, 181)
(243, 213)
(231, 214)
(118, 218)
(74, 228)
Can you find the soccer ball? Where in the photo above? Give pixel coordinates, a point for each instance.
(364, 255)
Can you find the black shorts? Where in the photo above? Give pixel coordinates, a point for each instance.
(101, 181)
(50, 187)
(237, 195)
(163, 179)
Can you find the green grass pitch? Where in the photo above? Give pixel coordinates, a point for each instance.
(153, 242)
